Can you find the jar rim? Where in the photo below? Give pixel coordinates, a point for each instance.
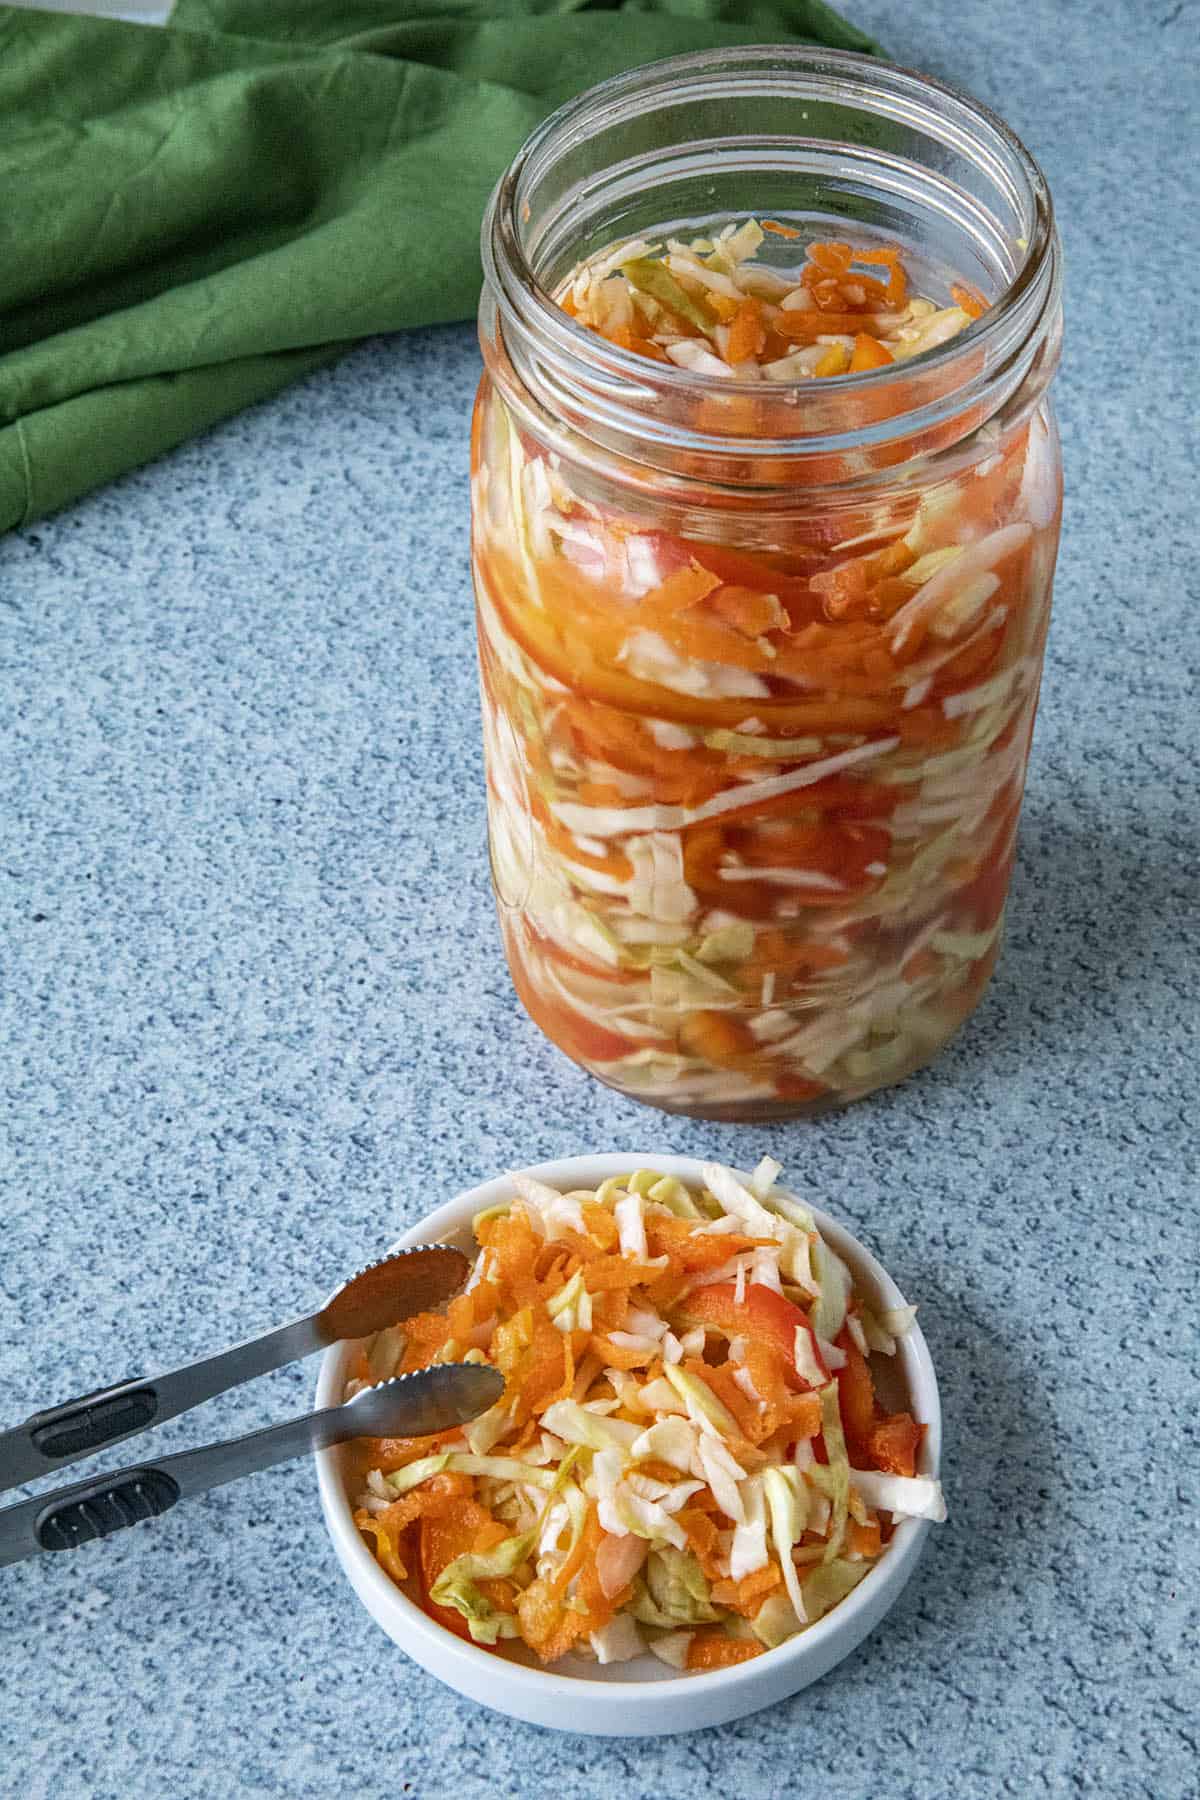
(1019, 313)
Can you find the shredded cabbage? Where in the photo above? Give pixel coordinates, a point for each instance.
(833, 1477)
(618, 1641)
(748, 1550)
(571, 1307)
(805, 1355)
(671, 1440)
(787, 1499)
(905, 1496)
(569, 1421)
(672, 1647)
(501, 1468)
(414, 1473)
(824, 1586)
(728, 943)
(674, 1196)
(658, 1396)
(724, 1475)
(776, 1620)
(630, 1215)
(672, 1590)
(551, 1212)
(833, 1277)
(701, 1403)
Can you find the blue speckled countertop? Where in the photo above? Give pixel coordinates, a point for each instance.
(253, 1017)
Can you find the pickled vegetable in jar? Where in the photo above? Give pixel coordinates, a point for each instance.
(766, 498)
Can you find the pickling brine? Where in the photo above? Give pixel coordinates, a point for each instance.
(765, 520)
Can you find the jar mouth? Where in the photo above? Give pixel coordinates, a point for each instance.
(894, 144)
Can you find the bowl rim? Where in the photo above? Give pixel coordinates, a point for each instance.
(367, 1577)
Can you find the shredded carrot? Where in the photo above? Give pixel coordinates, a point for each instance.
(747, 1595)
(615, 1272)
(969, 298)
(864, 1540)
(831, 258)
(563, 1392)
(724, 305)
(599, 1221)
(625, 339)
(489, 1534)
(714, 1650)
(717, 1037)
(701, 1532)
(617, 1356)
(869, 353)
(443, 1495)
(747, 333)
(893, 1443)
(515, 1245)
(526, 1435)
(391, 1454)
(748, 610)
(807, 327)
(897, 289)
(885, 1441)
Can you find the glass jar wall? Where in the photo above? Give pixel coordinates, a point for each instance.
(760, 658)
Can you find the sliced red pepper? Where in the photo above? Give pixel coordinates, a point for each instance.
(762, 1314)
(856, 1396)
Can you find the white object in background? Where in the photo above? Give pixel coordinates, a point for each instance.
(645, 1697)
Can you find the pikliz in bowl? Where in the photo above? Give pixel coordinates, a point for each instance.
(709, 1477)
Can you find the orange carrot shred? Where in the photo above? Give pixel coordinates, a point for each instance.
(893, 1442)
(747, 333)
(869, 353)
(864, 1540)
(714, 1650)
(969, 298)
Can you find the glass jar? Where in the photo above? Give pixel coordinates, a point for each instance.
(749, 877)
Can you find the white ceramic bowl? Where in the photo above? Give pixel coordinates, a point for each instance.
(642, 1698)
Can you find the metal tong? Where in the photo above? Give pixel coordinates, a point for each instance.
(414, 1405)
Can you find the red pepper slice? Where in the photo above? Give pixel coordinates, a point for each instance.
(856, 1395)
(763, 1314)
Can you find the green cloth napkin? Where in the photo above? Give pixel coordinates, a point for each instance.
(194, 216)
